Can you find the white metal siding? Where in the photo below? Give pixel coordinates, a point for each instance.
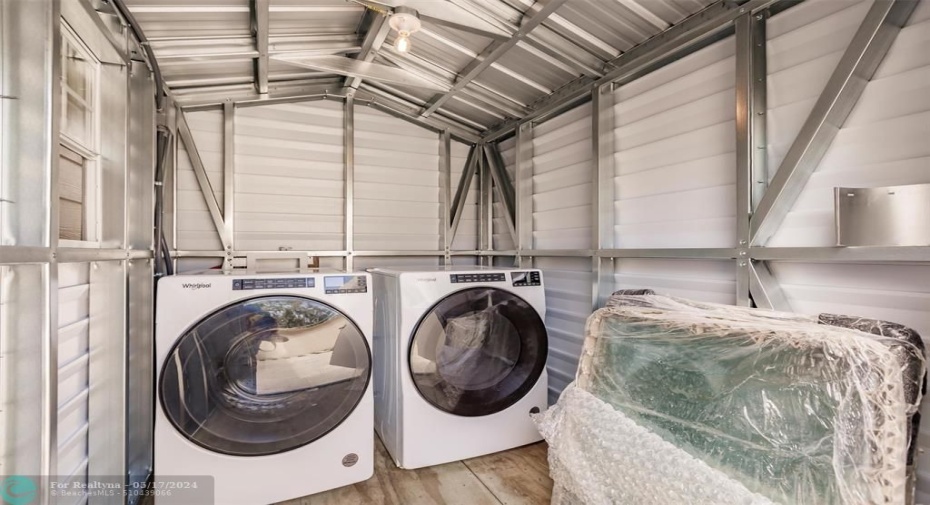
(675, 142)
(562, 194)
(73, 369)
(195, 227)
(290, 177)
(884, 140)
(803, 47)
(396, 184)
(562, 172)
(569, 288)
(466, 237)
(706, 280)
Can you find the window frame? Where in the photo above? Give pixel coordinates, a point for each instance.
(88, 150)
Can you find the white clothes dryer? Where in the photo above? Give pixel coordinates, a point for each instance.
(460, 361)
(263, 382)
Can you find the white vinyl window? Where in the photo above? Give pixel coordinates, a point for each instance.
(78, 165)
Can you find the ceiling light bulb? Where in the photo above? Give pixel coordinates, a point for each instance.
(402, 44)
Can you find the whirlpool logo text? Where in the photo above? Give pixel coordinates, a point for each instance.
(196, 285)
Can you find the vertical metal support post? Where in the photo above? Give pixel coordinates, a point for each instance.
(485, 214)
(445, 195)
(349, 145)
(260, 23)
(602, 197)
(750, 138)
(229, 179)
(523, 219)
(52, 27)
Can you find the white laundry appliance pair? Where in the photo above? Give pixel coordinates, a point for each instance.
(263, 381)
(460, 361)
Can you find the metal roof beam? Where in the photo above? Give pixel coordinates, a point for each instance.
(862, 57)
(259, 13)
(691, 34)
(543, 39)
(374, 39)
(494, 51)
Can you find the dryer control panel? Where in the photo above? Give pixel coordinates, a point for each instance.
(526, 279)
(273, 283)
(342, 284)
(480, 277)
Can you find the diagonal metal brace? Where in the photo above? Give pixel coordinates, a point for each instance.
(502, 186)
(866, 51)
(209, 197)
(461, 194)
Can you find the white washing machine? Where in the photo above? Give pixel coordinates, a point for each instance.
(460, 361)
(263, 382)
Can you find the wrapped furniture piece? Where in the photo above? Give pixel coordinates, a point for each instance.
(678, 401)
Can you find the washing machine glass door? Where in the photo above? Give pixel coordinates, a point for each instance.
(265, 375)
(478, 351)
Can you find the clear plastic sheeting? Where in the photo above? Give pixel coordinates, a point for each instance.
(686, 402)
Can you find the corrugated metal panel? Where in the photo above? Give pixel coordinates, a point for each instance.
(426, 262)
(21, 388)
(196, 231)
(303, 16)
(707, 280)
(466, 237)
(170, 18)
(884, 140)
(396, 184)
(289, 177)
(569, 285)
(675, 158)
(73, 369)
(562, 172)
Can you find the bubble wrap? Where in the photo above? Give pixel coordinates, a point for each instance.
(583, 434)
(789, 410)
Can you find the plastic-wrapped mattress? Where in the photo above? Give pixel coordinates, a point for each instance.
(684, 402)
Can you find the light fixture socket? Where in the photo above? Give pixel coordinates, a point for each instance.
(404, 20)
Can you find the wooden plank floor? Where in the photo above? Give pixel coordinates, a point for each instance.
(516, 477)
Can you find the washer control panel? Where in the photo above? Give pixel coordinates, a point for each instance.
(275, 283)
(478, 277)
(526, 279)
(343, 284)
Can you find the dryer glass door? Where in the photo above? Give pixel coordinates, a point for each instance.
(478, 351)
(265, 375)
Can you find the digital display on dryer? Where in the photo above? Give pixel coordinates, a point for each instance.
(345, 284)
(526, 279)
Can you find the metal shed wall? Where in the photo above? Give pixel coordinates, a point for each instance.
(396, 184)
(289, 177)
(674, 139)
